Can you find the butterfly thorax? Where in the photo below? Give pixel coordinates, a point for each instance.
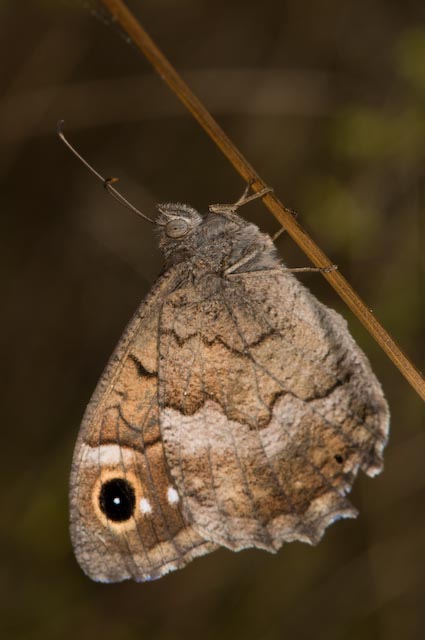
(213, 243)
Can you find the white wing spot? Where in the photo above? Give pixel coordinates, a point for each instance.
(172, 495)
(145, 506)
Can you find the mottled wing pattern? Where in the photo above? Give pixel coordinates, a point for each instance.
(267, 409)
(142, 533)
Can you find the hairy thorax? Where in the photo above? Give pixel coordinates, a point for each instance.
(219, 245)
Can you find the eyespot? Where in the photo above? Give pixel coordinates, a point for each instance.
(177, 228)
(339, 459)
(117, 499)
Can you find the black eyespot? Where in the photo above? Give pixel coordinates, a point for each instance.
(117, 500)
(339, 458)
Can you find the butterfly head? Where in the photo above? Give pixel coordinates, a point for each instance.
(177, 220)
(177, 223)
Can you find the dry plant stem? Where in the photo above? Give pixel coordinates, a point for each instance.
(142, 40)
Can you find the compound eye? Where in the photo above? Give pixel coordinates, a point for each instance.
(117, 500)
(177, 228)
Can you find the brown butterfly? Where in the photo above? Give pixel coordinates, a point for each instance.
(235, 411)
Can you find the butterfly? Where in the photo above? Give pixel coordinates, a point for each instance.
(235, 411)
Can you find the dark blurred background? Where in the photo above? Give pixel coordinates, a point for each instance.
(326, 99)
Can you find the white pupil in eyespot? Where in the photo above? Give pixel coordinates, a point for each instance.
(117, 500)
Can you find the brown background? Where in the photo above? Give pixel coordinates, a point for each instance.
(326, 98)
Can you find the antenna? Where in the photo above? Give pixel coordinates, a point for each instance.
(107, 182)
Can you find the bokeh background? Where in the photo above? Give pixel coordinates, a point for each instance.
(326, 99)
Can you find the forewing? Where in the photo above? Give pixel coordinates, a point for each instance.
(267, 408)
(126, 518)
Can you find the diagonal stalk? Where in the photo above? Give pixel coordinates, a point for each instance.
(143, 41)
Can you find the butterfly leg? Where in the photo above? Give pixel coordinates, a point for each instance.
(229, 272)
(239, 263)
(332, 267)
(282, 229)
(244, 199)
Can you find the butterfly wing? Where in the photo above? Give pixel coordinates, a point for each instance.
(126, 518)
(267, 408)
